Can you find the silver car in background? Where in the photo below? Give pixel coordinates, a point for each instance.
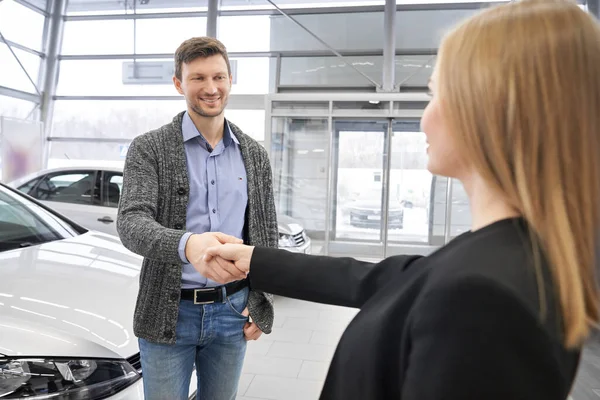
(89, 195)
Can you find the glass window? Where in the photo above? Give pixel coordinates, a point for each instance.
(24, 224)
(300, 107)
(108, 77)
(252, 76)
(13, 76)
(418, 29)
(424, 29)
(26, 188)
(299, 158)
(161, 35)
(76, 188)
(356, 108)
(83, 153)
(15, 108)
(460, 214)
(460, 217)
(414, 71)
(251, 122)
(112, 188)
(448, 1)
(98, 37)
(437, 210)
(330, 71)
(164, 35)
(261, 4)
(38, 3)
(342, 31)
(259, 40)
(109, 119)
(21, 25)
(87, 7)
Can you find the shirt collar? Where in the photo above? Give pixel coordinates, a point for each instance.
(189, 131)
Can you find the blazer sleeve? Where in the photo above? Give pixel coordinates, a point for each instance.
(472, 339)
(340, 281)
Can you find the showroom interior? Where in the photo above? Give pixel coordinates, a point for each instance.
(334, 91)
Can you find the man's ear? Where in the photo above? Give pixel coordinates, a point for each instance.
(177, 84)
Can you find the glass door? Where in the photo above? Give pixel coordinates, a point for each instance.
(358, 214)
(409, 188)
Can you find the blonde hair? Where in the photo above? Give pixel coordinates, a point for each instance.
(520, 90)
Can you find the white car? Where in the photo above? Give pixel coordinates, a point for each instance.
(67, 298)
(89, 195)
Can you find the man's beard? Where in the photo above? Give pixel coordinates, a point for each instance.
(208, 114)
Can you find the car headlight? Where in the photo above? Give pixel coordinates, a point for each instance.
(64, 379)
(286, 240)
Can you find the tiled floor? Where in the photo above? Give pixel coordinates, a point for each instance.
(587, 386)
(291, 363)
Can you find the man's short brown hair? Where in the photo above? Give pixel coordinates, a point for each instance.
(199, 47)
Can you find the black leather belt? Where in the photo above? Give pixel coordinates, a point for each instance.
(212, 294)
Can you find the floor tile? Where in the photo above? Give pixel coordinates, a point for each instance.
(275, 388)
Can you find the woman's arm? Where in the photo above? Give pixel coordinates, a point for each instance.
(340, 281)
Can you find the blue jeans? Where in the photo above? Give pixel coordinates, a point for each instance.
(212, 337)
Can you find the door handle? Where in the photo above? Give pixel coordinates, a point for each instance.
(106, 220)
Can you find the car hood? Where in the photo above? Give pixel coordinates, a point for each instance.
(288, 225)
(69, 298)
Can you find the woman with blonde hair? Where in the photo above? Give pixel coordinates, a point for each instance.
(502, 311)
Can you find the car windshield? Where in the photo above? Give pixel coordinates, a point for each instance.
(24, 223)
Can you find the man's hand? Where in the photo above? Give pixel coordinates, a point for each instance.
(251, 330)
(239, 254)
(218, 270)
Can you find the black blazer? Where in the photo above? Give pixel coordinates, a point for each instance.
(462, 323)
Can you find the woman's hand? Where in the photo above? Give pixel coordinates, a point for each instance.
(238, 254)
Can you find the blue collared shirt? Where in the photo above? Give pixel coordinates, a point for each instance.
(218, 192)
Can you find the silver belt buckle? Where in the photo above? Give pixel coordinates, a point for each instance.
(202, 290)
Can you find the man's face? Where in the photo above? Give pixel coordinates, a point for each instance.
(205, 83)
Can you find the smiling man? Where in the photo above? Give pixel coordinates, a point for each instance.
(193, 183)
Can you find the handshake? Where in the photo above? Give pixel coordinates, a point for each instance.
(219, 257)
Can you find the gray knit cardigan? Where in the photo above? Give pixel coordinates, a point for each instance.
(152, 220)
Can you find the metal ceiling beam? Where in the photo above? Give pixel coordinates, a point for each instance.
(32, 7)
(227, 11)
(49, 77)
(107, 17)
(20, 63)
(21, 47)
(389, 46)
(260, 54)
(328, 96)
(212, 18)
(19, 94)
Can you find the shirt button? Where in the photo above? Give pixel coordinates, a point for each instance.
(181, 191)
(212, 182)
(214, 211)
(178, 226)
